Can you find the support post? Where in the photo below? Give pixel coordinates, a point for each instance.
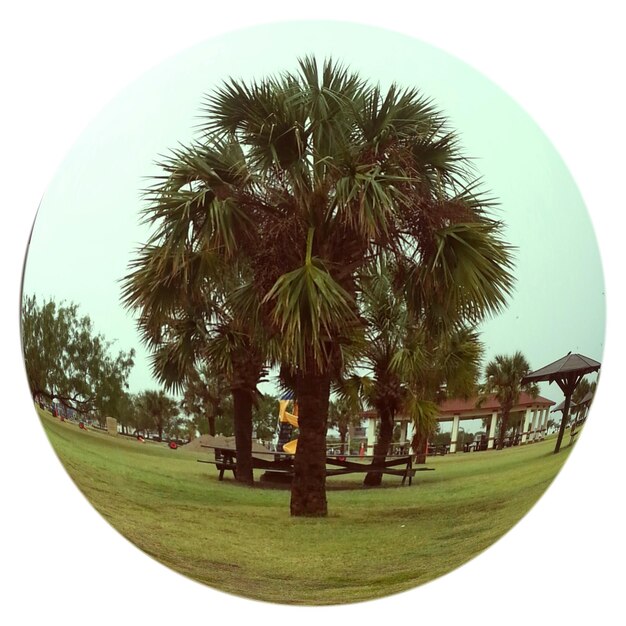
(567, 386)
(544, 423)
(370, 433)
(455, 434)
(533, 434)
(492, 430)
(404, 431)
(526, 424)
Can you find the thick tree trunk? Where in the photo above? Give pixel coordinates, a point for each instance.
(242, 408)
(308, 489)
(374, 479)
(211, 420)
(420, 449)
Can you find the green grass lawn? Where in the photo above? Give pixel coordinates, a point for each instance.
(242, 540)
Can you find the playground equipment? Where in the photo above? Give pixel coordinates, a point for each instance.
(286, 423)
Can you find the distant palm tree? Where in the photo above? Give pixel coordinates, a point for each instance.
(503, 380)
(582, 389)
(342, 415)
(159, 408)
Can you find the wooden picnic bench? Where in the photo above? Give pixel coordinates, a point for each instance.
(281, 463)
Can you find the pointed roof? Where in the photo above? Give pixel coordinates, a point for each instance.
(569, 364)
(586, 400)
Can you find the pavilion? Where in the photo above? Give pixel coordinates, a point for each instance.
(533, 426)
(566, 372)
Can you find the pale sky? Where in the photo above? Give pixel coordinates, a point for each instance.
(88, 223)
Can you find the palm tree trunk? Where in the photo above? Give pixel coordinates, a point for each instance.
(374, 479)
(242, 409)
(211, 420)
(308, 489)
(420, 449)
(504, 422)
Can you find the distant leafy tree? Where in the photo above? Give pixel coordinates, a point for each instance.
(204, 395)
(125, 412)
(342, 415)
(66, 360)
(181, 427)
(265, 416)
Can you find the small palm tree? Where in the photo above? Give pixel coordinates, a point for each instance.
(159, 408)
(503, 380)
(582, 389)
(342, 414)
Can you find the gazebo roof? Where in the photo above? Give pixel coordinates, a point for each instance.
(586, 400)
(569, 364)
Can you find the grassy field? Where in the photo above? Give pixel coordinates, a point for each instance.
(242, 540)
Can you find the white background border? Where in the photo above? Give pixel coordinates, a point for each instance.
(63, 61)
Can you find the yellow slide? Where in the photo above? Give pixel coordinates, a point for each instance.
(290, 418)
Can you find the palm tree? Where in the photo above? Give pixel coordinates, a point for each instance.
(307, 178)
(159, 408)
(582, 389)
(197, 315)
(503, 380)
(411, 366)
(342, 414)
(453, 372)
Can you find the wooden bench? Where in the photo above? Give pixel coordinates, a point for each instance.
(281, 463)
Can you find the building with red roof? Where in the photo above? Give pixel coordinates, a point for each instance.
(532, 414)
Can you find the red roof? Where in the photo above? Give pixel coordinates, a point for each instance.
(456, 406)
(459, 406)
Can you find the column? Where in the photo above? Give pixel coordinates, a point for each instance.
(409, 431)
(455, 433)
(370, 432)
(404, 427)
(533, 434)
(492, 430)
(546, 417)
(526, 424)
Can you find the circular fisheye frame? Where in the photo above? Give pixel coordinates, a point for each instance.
(313, 320)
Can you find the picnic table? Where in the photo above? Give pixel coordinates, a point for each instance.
(281, 463)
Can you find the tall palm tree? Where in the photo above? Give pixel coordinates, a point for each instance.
(306, 178)
(455, 361)
(412, 366)
(503, 379)
(195, 316)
